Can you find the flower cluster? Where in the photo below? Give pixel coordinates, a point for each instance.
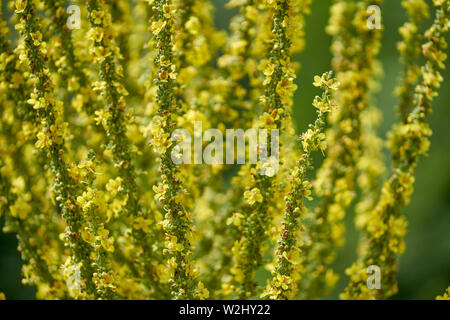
(354, 48)
(410, 52)
(170, 191)
(51, 134)
(288, 265)
(276, 103)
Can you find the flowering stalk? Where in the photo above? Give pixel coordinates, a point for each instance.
(16, 206)
(387, 226)
(354, 47)
(370, 168)
(74, 81)
(94, 230)
(276, 101)
(16, 202)
(114, 120)
(226, 103)
(288, 264)
(21, 196)
(74, 69)
(170, 191)
(196, 43)
(51, 134)
(191, 54)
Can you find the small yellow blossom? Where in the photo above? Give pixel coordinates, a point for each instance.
(235, 219)
(157, 26)
(252, 196)
(97, 16)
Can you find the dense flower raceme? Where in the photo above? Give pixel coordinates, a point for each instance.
(88, 180)
(354, 49)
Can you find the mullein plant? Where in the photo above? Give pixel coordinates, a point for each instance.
(51, 133)
(288, 266)
(87, 178)
(354, 49)
(254, 217)
(16, 188)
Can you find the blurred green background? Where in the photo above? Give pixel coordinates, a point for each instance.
(424, 270)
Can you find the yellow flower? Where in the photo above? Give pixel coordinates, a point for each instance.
(160, 191)
(293, 256)
(331, 278)
(96, 34)
(167, 74)
(37, 38)
(20, 209)
(445, 296)
(38, 103)
(97, 16)
(285, 89)
(397, 226)
(43, 140)
(100, 53)
(318, 81)
(173, 245)
(102, 117)
(114, 186)
(283, 281)
(252, 196)
(106, 242)
(163, 61)
(193, 25)
(235, 219)
(267, 120)
(157, 26)
(167, 11)
(251, 13)
(268, 71)
(324, 80)
(87, 235)
(21, 5)
(85, 201)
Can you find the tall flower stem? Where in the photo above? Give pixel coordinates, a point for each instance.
(288, 260)
(170, 191)
(51, 135)
(354, 47)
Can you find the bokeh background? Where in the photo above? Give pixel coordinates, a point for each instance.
(424, 270)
